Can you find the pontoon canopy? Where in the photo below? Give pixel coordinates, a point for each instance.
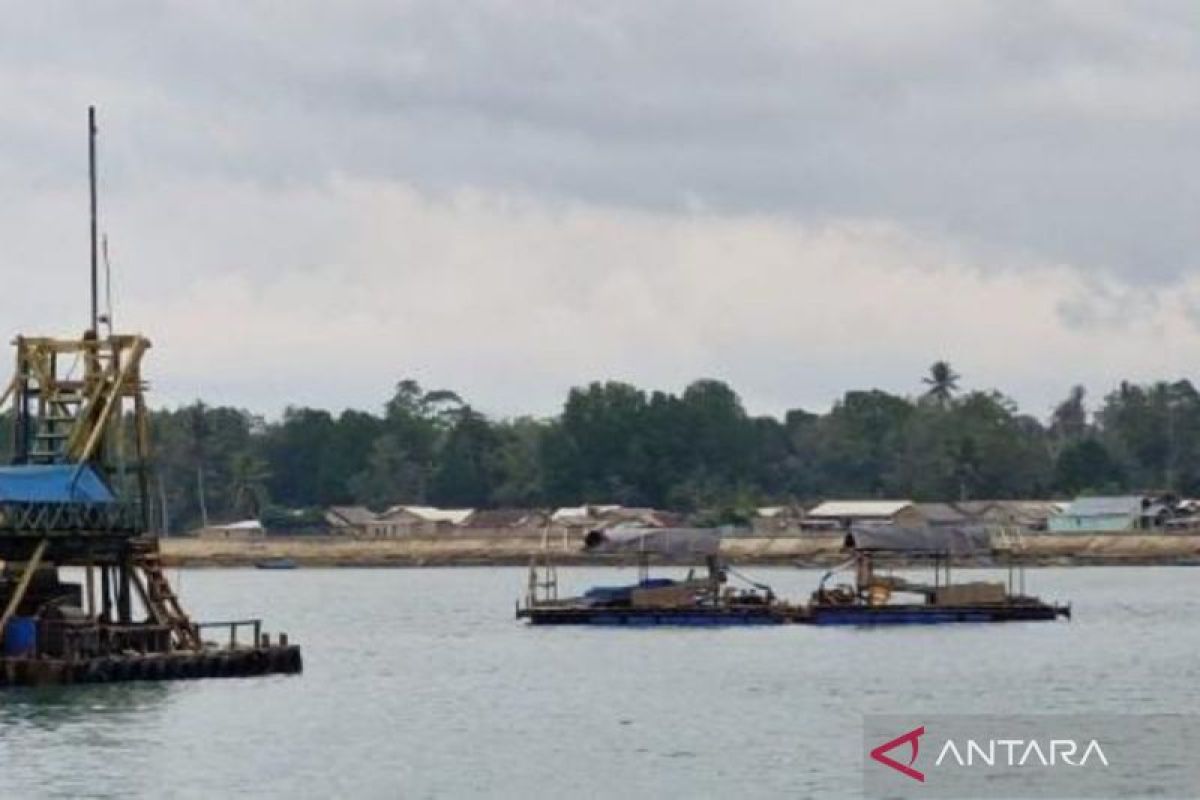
(953, 539)
(674, 542)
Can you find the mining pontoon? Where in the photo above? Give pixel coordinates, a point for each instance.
(76, 496)
(711, 600)
(870, 600)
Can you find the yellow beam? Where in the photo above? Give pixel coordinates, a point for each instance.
(23, 585)
(110, 402)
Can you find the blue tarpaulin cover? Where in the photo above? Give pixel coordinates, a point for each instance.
(52, 483)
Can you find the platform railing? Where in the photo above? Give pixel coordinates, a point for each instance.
(255, 626)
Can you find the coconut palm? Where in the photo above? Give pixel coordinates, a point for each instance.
(942, 382)
(248, 476)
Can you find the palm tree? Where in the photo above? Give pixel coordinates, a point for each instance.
(248, 476)
(942, 382)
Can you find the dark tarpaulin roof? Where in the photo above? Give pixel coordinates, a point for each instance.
(658, 541)
(52, 483)
(954, 539)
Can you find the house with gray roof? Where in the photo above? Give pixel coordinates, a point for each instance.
(1126, 513)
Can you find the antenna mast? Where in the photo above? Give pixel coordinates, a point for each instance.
(95, 328)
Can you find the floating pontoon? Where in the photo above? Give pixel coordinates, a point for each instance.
(711, 599)
(77, 496)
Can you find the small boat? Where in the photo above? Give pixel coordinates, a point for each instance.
(275, 563)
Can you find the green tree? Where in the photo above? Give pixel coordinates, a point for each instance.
(298, 449)
(1085, 466)
(597, 450)
(1070, 420)
(521, 480)
(859, 442)
(468, 464)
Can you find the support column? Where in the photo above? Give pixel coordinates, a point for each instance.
(124, 599)
(105, 594)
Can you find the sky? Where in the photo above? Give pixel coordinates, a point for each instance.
(306, 202)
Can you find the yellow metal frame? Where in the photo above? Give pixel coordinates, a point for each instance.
(77, 418)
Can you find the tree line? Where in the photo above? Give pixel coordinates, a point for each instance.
(696, 451)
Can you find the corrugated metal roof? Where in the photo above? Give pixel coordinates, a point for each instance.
(943, 513)
(1104, 506)
(569, 513)
(860, 508)
(455, 516)
(244, 525)
(355, 515)
(504, 518)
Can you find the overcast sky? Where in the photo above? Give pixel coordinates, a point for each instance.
(309, 201)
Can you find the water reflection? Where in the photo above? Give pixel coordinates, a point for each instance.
(50, 708)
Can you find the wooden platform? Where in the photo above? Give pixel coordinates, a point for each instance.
(240, 663)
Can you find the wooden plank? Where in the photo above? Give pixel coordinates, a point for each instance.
(23, 585)
(110, 402)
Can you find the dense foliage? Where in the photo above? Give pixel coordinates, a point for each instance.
(697, 450)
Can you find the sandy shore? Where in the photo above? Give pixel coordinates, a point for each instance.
(495, 551)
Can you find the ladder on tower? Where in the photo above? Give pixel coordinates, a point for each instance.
(69, 416)
(55, 427)
(164, 605)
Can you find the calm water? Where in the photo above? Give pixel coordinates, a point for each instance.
(419, 683)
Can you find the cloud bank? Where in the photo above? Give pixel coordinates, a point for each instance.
(509, 199)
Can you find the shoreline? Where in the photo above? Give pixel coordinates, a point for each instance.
(807, 551)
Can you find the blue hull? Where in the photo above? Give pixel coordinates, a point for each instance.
(646, 618)
(687, 620)
(930, 615)
(785, 615)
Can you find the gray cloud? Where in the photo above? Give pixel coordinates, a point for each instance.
(239, 141)
(1062, 128)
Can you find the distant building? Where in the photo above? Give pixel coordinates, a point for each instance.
(841, 514)
(776, 519)
(1029, 515)
(577, 519)
(581, 516)
(1110, 514)
(246, 529)
(502, 521)
(947, 514)
(418, 521)
(350, 520)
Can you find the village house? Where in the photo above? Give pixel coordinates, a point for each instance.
(353, 521)
(1027, 515)
(402, 521)
(578, 520)
(505, 522)
(246, 529)
(842, 514)
(943, 515)
(1125, 513)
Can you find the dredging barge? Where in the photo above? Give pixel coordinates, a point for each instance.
(710, 600)
(76, 496)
